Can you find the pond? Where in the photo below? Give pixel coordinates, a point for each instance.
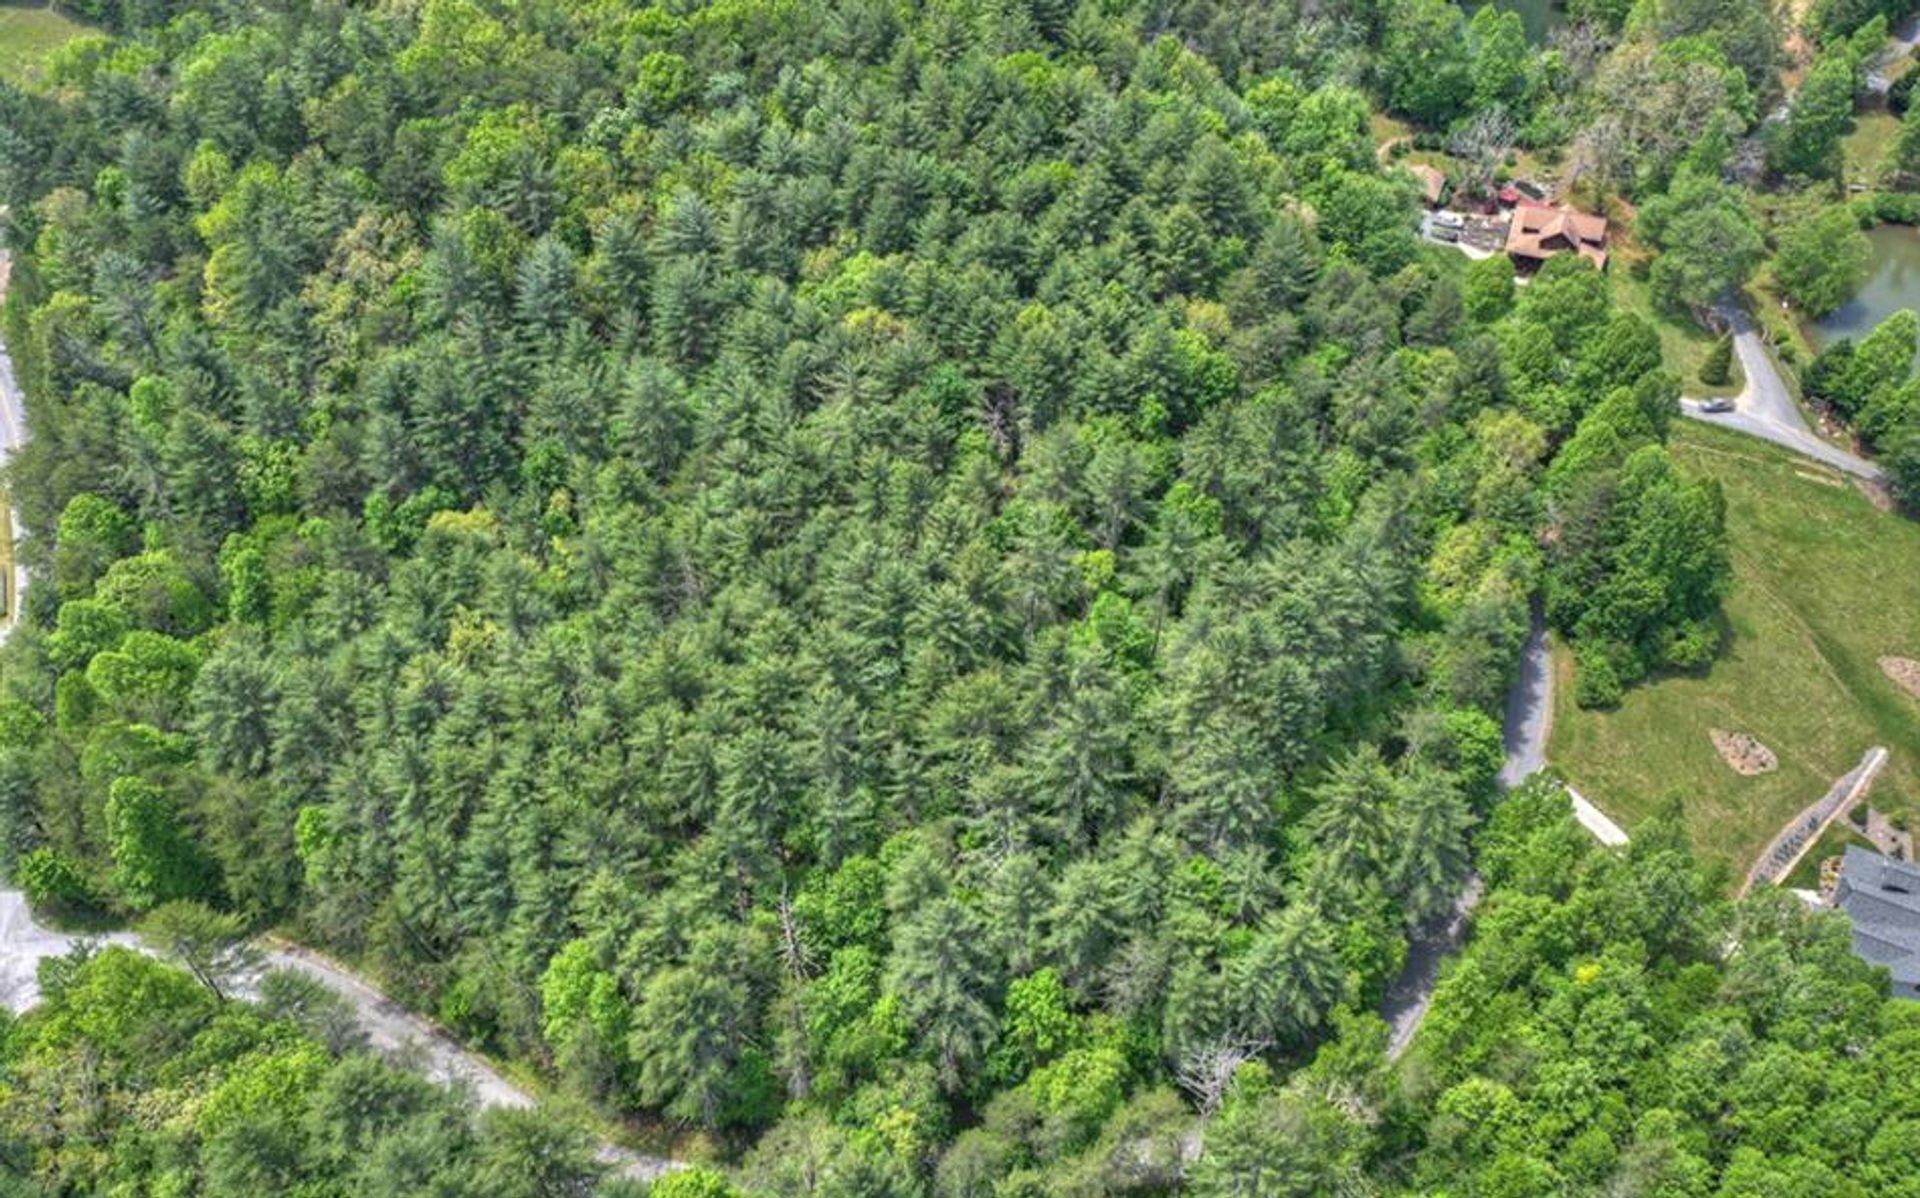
(1893, 283)
(1539, 17)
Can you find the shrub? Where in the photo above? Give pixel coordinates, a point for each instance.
(51, 879)
(1596, 682)
(1718, 367)
(1692, 645)
(692, 1183)
(1898, 207)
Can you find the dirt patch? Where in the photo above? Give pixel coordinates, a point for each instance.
(1743, 754)
(1905, 673)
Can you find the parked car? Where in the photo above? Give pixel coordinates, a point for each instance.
(1449, 220)
(1718, 403)
(1446, 232)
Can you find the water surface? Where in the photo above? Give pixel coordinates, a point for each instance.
(1893, 283)
(1539, 17)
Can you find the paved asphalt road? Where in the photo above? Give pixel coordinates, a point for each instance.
(1529, 718)
(1529, 710)
(1765, 408)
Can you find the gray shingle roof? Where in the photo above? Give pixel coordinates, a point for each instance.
(1882, 898)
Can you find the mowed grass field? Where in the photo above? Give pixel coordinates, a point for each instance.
(1825, 584)
(28, 34)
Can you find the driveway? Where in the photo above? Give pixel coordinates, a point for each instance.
(1529, 720)
(1765, 407)
(391, 1029)
(1529, 714)
(1905, 37)
(1477, 238)
(1529, 710)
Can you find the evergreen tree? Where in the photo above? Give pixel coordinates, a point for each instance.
(944, 981)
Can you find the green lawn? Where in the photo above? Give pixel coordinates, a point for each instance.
(28, 34)
(1683, 344)
(1866, 148)
(1825, 584)
(1832, 843)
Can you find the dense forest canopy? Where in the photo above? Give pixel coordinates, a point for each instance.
(893, 583)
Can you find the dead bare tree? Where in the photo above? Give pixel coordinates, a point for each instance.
(798, 965)
(1206, 1070)
(1482, 143)
(1581, 47)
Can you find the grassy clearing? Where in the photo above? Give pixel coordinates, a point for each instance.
(1824, 586)
(1683, 344)
(1832, 843)
(28, 35)
(1387, 129)
(1866, 148)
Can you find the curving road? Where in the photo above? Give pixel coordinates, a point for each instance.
(1900, 44)
(390, 1028)
(24, 944)
(1765, 408)
(1529, 720)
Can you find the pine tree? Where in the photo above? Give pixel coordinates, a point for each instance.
(1349, 819)
(1718, 366)
(1430, 824)
(941, 973)
(691, 1029)
(544, 299)
(1290, 977)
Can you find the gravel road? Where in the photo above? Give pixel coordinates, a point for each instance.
(24, 944)
(1905, 37)
(397, 1032)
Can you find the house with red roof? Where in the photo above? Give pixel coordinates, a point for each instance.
(1539, 231)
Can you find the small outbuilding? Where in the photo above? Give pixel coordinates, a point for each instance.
(1433, 183)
